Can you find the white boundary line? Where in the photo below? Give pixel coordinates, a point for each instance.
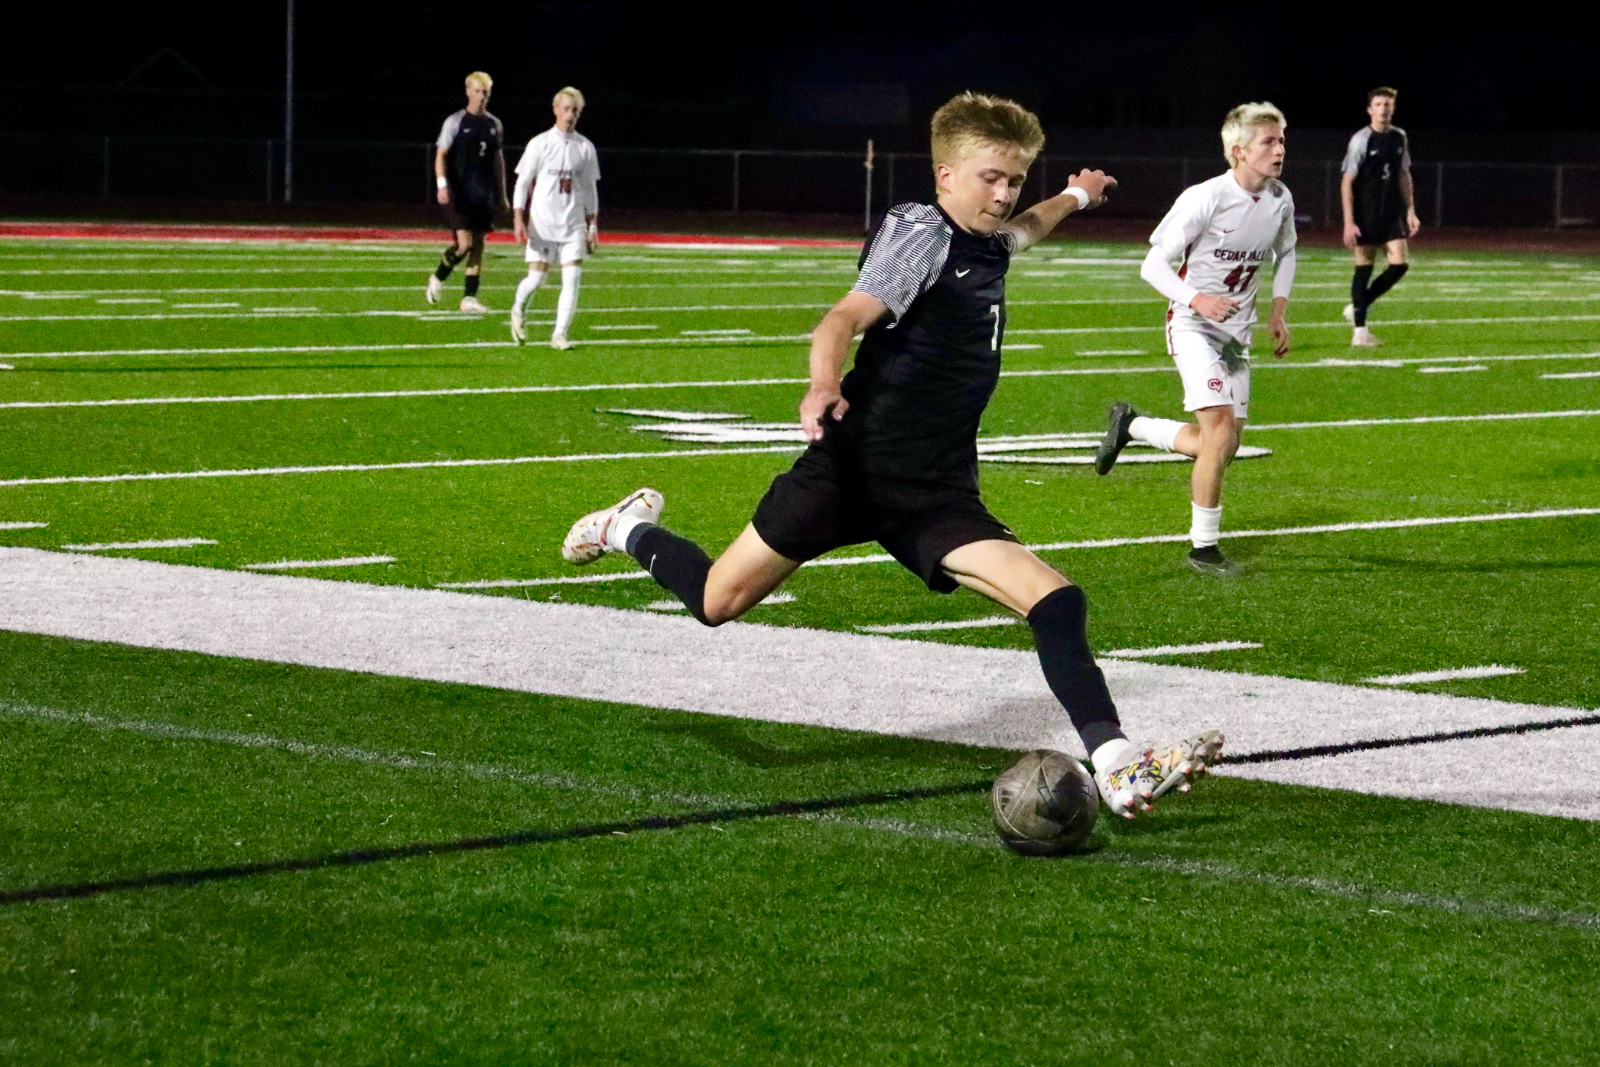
(308, 564)
(954, 624)
(23, 525)
(1493, 670)
(1180, 650)
(170, 542)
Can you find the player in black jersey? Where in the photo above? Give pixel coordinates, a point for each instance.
(469, 168)
(1380, 208)
(893, 455)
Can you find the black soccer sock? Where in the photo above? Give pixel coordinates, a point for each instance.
(677, 563)
(470, 284)
(447, 262)
(1358, 292)
(1386, 281)
(1058, 623)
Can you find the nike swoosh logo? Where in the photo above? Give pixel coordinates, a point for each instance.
(963, 273)
(1230, 231)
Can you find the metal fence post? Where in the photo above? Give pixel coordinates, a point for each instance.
(889, 183)
(1183, 174)
(1438, 196)
(105, 167)
(1561, 173)
(1327, 195)
(866, 215)
(735, 182)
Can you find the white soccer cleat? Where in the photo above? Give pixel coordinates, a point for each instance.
(1363, 338)
(1349, 314)
(559, 342)
(519, 332)
(589, 538)
(1143, 775)
(435, 287)
(473, 304)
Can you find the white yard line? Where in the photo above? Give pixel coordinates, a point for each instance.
(1451, 370)
(23, 525)
(311, 564)
(1180, 650)
(170, 542)
(1493, 670)
(1574, 374)
(932, 690)
(928, 627)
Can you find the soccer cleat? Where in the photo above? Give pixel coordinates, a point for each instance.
(435, 287)
(588, 540)
(1144, 775)
(1116, 438)
(1362, 338)
(473, 304)
(519, 332)
(1210, 560)
(1349, 314)
(559, 342)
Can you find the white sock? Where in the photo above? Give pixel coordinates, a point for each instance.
(567, 306)
(621, 527)
(1205, 525)
(1157, 433)
(526, 288)
(1111, 753)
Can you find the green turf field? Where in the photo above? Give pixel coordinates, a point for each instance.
(299, 403)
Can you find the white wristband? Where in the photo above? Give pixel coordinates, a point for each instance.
(441, 182)
(1081, 195)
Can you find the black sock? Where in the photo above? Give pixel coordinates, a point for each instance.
(677, 563)
(1358, 293)
(1391, 274)
(470, 286)
(447, 263)
(1058, 623)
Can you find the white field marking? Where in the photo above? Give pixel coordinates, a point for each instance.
(23, 525)
(680, 416)
(305, 309)
(1244, 452)
(953, 624)
(1023, 348)
(1421, 420)
(1179, 650)
(310, 564)
(1574, 374)
(402, 761)
(634, 326)
(170, 542)
(1451, 370)
(713, 333)
(196, 307)
(932, 690)
(666, 605)
(711, 247)
(1113, 352)
(335, 468)
(1476, 321)
(1063, 546)
(777, 598)
(1493, 670)
(129, 300)
(414, 346)
(6, 366)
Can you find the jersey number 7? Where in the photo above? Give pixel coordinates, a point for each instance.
(1239, 277)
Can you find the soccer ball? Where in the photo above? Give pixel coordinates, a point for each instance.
(1045, 804)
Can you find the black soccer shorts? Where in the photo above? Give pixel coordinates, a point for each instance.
(821, 504)
(478, 218)
(1379, 229)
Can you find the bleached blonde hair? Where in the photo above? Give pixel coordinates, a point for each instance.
(1241, 125)
(478, 77)
(570, 93)
(971, 120)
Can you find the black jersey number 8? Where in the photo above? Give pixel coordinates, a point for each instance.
(1240, 277)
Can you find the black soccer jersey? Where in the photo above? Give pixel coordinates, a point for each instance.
(472, 144)
(924, 373)
(1377, 161)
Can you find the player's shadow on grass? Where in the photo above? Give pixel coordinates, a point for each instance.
(731, 738)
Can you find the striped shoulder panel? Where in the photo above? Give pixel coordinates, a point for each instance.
(905, 256)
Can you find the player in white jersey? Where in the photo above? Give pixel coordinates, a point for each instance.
(560, 170)
(1205, 258)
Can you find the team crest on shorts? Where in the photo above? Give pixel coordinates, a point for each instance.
(1215, 385)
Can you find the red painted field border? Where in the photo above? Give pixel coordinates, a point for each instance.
(180, 232)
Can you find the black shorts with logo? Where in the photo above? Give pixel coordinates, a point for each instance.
(822, 503)
(1380, 227)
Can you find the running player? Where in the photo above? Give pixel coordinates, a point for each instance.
(893, 454)
(470, 171)
(560, 168)
(1219, 234)
(1380, 208)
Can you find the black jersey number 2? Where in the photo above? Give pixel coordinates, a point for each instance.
(1239, 277)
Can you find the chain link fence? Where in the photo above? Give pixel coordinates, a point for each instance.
(837, 183)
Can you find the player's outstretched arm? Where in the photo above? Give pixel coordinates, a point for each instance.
(1034, 224)
(830, 345)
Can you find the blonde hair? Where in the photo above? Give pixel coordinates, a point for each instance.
(1241, 125)
(572, 94)
(972, 120)
(478, 77)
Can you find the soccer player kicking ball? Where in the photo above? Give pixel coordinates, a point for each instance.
(893, 453)
(1380, 208)
(560, 169)
(470, 170)
(1218, 235)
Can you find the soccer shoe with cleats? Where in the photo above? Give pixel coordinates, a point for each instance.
(1142, 776)
(1210, 560)
(589, 538)
(559, 342)
(1116, 438)
(1362, 338)
(519, 332)
(435, 287)
(473, 304)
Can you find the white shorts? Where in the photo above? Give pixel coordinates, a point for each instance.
(1215, 369)
(557, 252)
